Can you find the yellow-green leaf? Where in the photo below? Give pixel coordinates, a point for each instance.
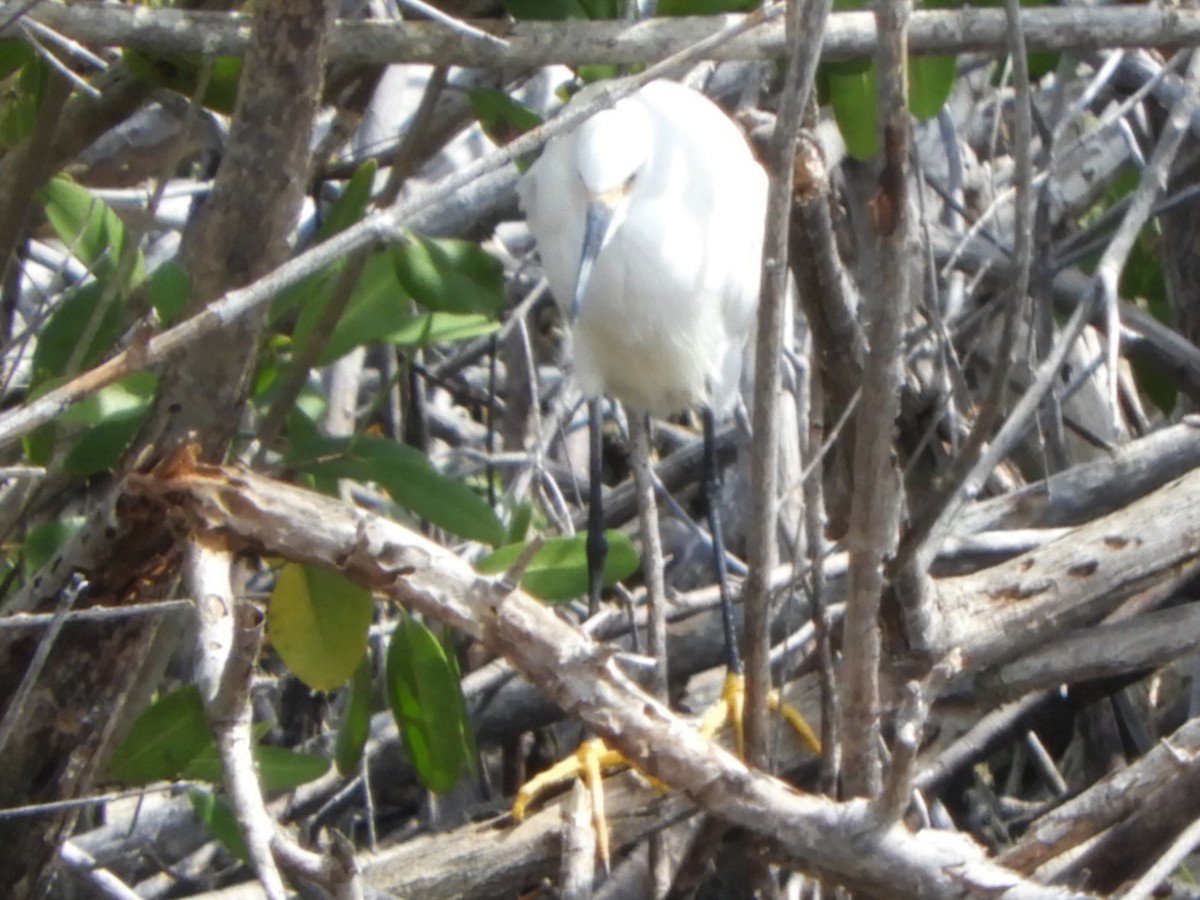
(318, 622)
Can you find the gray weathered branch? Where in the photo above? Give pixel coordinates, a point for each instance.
(614, 42)
(841, 841)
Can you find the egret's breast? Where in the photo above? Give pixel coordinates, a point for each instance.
(652, 331)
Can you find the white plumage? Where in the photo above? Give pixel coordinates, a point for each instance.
(671, 204)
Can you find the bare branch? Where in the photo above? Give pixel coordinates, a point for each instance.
(652, 553)
(875, 504)
(840, 841)
(806, 23)
(227, 641)
(532, 44)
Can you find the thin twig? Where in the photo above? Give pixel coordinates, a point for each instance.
(836, 840)
(102, 880)
(57, 806)
(75, 48)
(456, 25)
(1104, 288)
(226, 645)
(93, 614)
(578, 869)
(1153, 180)
(910, 725)
(16, 708)
(57, 64)
(652, 552)
(806, 24)
(1181, 848)
(875, 502)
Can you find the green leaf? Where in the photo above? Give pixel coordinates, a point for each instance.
(426, 329)
(182, 75)
(426, 700)
(558, 571)
(87, 226)
(408, 476)
(930, 81)
(470, 749)
(315, 290)
(99, 449)
(704, 7)
(130, 394)
(169, 288)
(304, 418)
(518, 525)
(114, 415)
(318, 622)
(204, 766)
(501, 117)
(171, 740)
(351, 205)
(599, 72)
(43, 540)
(13, 55)
(280, 769)
(164, 740)
(19, 102)
(38, 445)
(218, 818)
(545, 10)
(377, 305)
(450, 275)
(601, 9)
(378, 313)
(852, 95)
(64, 328)
(355, 726)
(1042, 63)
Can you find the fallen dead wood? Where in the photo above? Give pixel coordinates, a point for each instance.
(848, 843)
(1015, 606)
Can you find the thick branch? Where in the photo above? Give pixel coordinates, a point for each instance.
(532, 44)
(839, 841)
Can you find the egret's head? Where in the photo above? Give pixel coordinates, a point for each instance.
(611, 148)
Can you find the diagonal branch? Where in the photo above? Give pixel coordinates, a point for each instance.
(841, 842)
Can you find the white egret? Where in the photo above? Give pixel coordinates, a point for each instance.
(649, 221)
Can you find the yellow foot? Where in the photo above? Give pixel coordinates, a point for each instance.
(588, 762)
(731, 709)
(594, 758)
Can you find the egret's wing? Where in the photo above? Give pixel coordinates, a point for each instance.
(554, 203)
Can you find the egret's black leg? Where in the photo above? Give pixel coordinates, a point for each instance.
(597, 542)
(730, 708)
(712, 490)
